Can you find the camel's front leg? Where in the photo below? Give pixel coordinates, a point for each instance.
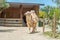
(29, 27)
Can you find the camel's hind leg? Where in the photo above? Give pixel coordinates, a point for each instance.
(34, 27)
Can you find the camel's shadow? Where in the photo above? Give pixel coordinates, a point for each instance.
(34, 32)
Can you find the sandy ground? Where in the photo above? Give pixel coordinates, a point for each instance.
(21, 33)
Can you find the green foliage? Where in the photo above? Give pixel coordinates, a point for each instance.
(52, 10)
(57, 13)
(56, 10)
(47, 9)
(51, 13)
(41, 14)
(3, 4)
(6, 5)
(50, 33)
(57, 2)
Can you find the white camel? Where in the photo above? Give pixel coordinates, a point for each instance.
(31, 19)
(34, 19)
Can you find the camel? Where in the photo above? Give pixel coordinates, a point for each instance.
(28, 20)
(31, 20)
(35, 19)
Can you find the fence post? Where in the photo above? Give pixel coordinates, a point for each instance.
(54, 25)
(43, 24)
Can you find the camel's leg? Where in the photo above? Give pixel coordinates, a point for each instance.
(28, 27)
(34, 27)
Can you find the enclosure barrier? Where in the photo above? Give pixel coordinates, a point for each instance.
(10, 22)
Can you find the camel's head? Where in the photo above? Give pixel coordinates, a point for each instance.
(32, 11)
(27, 13)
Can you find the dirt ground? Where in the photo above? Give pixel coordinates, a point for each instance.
(21, 33)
